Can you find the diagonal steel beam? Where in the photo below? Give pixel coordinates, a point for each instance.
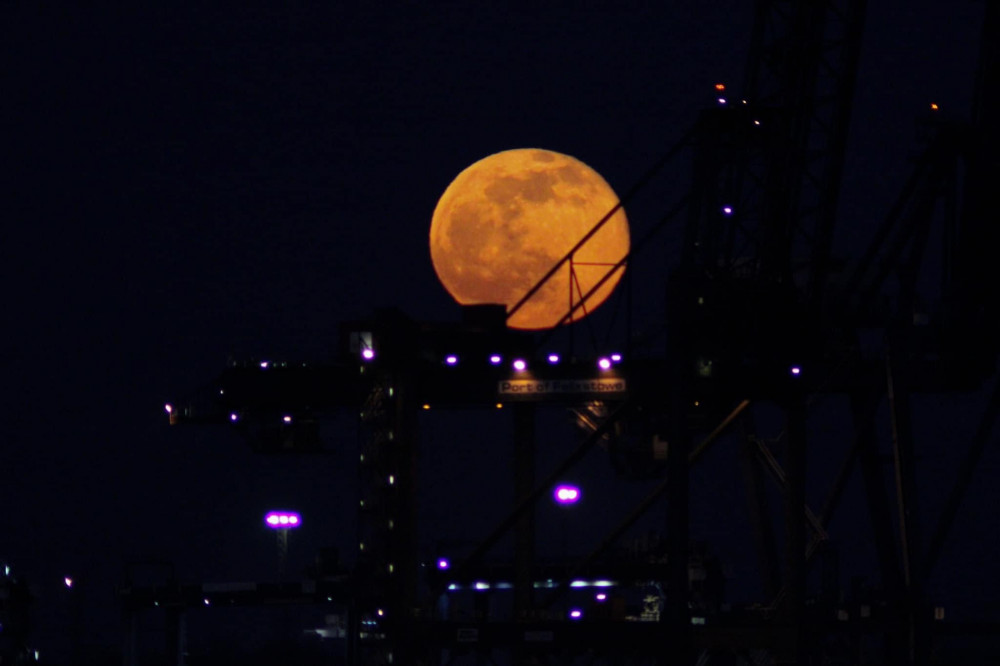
(965, 472)
(643, 506)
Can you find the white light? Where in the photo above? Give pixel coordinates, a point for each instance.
(721, 101)
(263, 365)
(272, 520)
(207, 602)
(482, 586)
(451, 359)
(604, 363)
(601, 596)
(234, 417)
(368, 354)
(443, 563)
(553, 358)
(576, 614)
(283, 520)
(293, 520)
(392, 479)
(603, 583)
(380, 612)
(37, 653)
(616, 358)
(579, 583)
(286, 419)
(727, 210)
(452, 587)
(169, 408)
(68, 581)
(520, 365)
(795, 370)
(566, 494)
(495, 359)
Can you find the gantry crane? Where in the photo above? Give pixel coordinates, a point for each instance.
(758, 311)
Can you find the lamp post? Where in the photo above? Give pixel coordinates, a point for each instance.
(281, 522)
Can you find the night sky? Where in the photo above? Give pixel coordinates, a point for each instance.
(186, 186)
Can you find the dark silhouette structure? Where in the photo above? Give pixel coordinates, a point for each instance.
(759, 311)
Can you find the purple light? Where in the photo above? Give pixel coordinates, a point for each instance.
(575, 614)
(604, 363)
(451, 359)
(553, 358)
(368, 353)
(282, 520)
(520, 365)
(795, 370)
(616, 358)
(601, 596)
(566, 494)
(727, 210)
(443, 564)
(234, 417)
(495, 359)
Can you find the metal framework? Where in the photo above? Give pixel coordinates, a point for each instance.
(753, 318)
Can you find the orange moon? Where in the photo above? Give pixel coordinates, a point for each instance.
(507, 220)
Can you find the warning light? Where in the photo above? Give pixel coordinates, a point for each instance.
(934, 107)
(720, 86)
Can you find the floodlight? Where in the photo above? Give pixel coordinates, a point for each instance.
(566, 494)
(282, 520)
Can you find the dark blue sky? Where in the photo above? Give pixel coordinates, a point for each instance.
(190, 184)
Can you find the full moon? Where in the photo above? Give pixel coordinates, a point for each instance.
(507, 220)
